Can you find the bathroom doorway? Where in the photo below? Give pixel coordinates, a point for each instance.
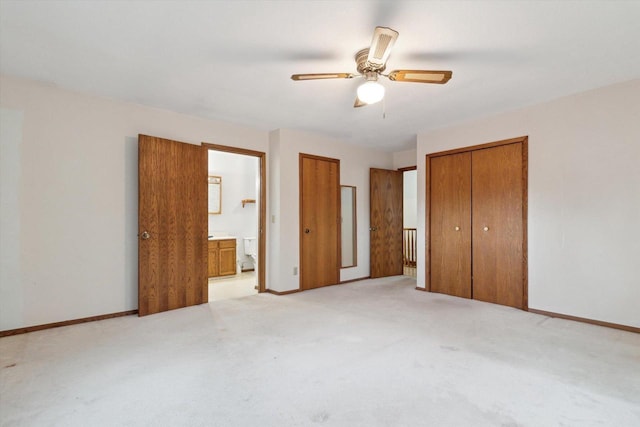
(236, 222)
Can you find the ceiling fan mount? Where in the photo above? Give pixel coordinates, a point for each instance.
(363, 66)
(371, 62)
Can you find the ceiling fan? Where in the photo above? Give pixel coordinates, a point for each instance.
(371, 62)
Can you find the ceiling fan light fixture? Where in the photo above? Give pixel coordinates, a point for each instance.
(370, 92)
(371, 62)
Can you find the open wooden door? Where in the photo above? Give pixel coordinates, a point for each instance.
(172, 225)
(385, 188)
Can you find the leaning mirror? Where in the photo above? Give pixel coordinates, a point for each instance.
(348, 228)
(215, 194)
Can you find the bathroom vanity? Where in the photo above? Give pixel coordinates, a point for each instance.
(222, 256)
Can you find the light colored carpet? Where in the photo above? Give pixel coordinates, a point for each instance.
(370, 353)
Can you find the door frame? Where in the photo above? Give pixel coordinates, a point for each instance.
(262, 214)
(427, 212)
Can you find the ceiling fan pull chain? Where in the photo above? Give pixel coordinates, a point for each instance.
(384, 109)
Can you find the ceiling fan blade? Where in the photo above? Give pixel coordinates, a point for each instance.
(359, 103)
(322, 76)
(381, 44)
(420, 76)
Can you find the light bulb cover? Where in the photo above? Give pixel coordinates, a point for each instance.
(370, 92)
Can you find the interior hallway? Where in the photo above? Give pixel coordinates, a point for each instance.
(369, 353)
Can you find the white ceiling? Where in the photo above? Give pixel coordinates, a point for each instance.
(232, 60)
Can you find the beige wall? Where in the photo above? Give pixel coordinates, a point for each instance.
(403, 159)
(584, 198)
(73, 188)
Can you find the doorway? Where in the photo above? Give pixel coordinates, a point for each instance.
(236, 222)
(393, 220)
(409, 220)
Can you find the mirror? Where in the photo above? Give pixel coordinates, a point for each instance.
(215, 194)
(348, 229)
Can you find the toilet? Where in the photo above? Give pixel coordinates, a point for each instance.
(250, 249)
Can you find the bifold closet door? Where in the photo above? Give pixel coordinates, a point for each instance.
(450, 230)
(497, 205)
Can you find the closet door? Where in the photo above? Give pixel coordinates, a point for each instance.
(319, 221)
(450, 230)
(497, 204)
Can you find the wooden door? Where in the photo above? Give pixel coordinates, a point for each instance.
(497, 188)
(172, 225)
(450, 231)
(319, 221)
(385, 222)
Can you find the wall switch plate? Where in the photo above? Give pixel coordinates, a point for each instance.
(295, 271)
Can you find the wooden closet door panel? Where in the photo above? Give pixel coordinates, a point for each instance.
(497, 203)
(450, 231)
(319, 222)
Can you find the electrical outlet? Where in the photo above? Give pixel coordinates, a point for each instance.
(295, 271)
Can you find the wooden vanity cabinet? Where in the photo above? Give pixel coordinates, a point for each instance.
(212, 259)
(227, 257)
(222, 257)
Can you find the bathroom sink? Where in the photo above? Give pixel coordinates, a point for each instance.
(221, 237)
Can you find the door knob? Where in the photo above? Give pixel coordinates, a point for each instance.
(373, 229)
(486, 228)
(307, 231)
(457, 228)
(145, 235)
